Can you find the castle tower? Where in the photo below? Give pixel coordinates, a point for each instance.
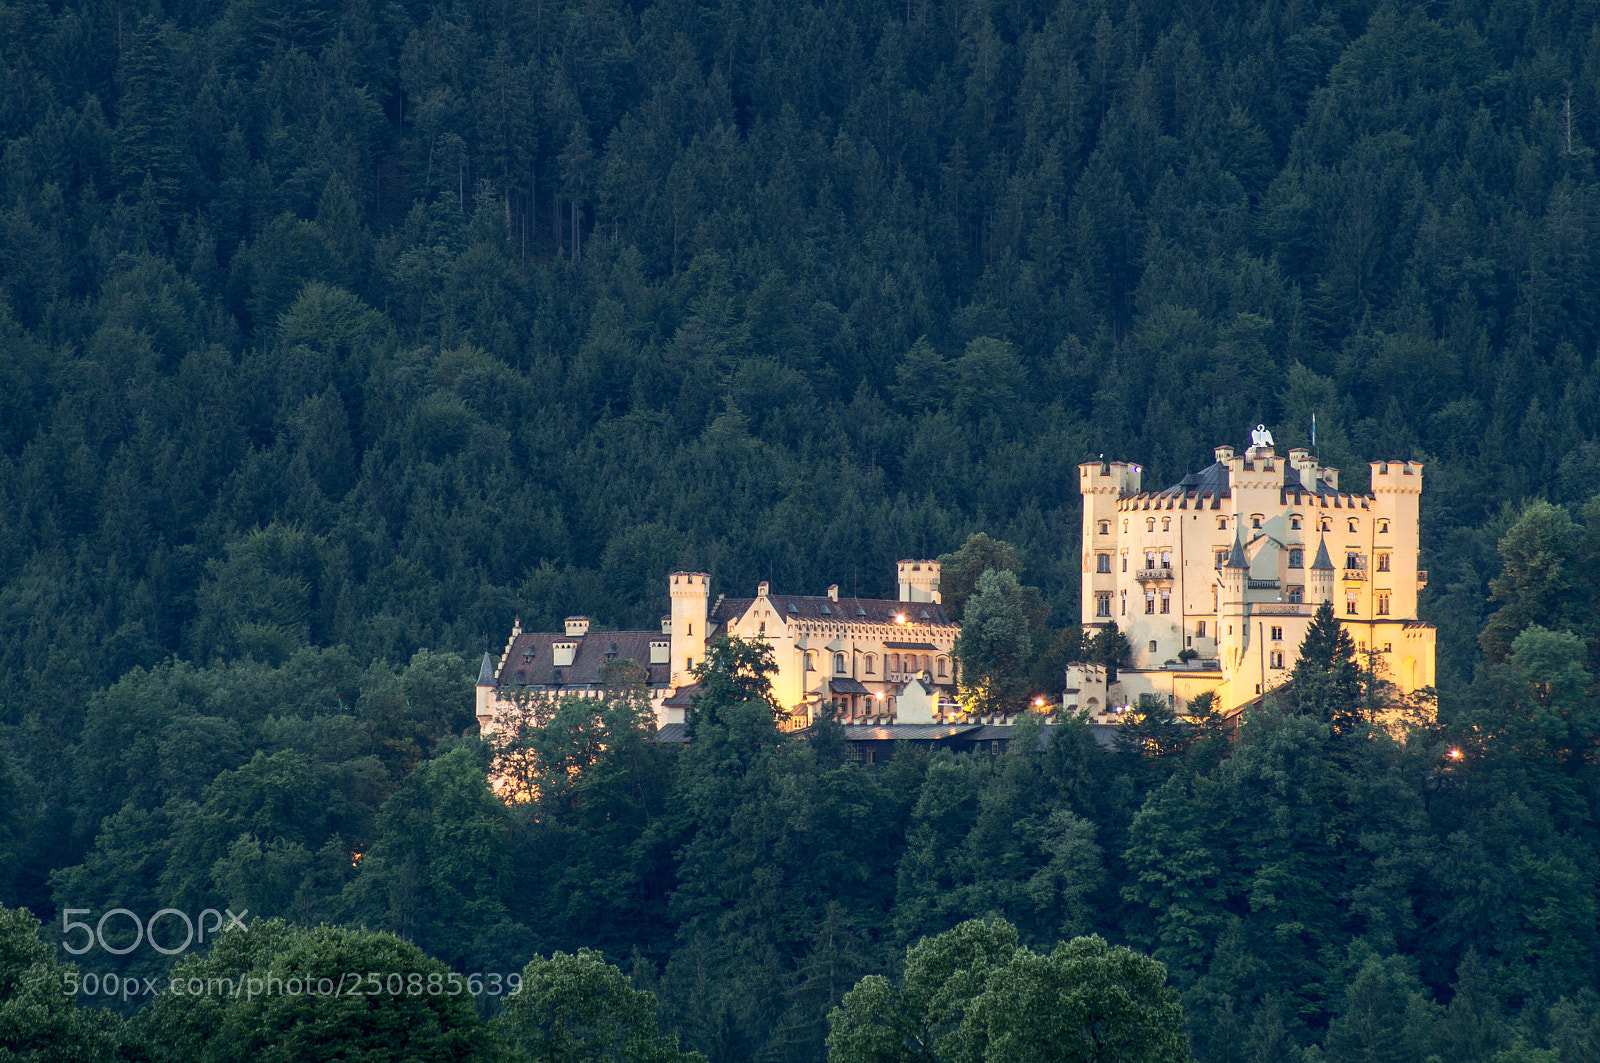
(1102, 483)
(485, 693)
(919, 581)
(1322, 574)
(1233, 621)
(691, 598)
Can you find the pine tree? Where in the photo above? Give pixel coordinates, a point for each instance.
(1326, 678)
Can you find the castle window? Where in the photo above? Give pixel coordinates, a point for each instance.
(871, 663)
(688, 664)
(1277, 634)
(1324, 524)
(1352, 524)
(1222, 558)
(811, 660)
(1388, 647)
(1277, 659)
(1297, 557)
(926, 662)
(1166, 601)
(1124, 603)
(1149, 559)
(1166, 559)
(1352, 560)
(1383, 562)
(1383, 527)
(1255, 520)
(1102, 605)
(1166, 523)
(1150, 602)
(1222, 524)
(1102, 563)
(944, 662)
(1383, 603)
(1294, 522)
(894, 662)
(1152, 645)
(1105, 527)
(1200, 630)
(1149, 524)
(1350, 603)
(838, 664)
(1124, 561)
(1295, 593)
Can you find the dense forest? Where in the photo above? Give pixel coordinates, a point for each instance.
(335, 335)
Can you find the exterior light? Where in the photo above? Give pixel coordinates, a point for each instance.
(899, 618)
(1454, 754)
(1038, 701)
(879, 695)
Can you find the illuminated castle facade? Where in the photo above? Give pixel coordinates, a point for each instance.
(871, 660)
(1214, 580)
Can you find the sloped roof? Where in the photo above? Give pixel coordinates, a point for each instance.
(843, 611)
(531, 661)
(1323, 560)
(486, 671)
(912, 732)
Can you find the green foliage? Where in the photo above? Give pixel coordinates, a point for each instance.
(239, 1001)
(993, 646)
(574, 1008)
(40, 1020)
(1327, 680)
(973, 995)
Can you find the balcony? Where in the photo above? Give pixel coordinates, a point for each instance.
(1280, 609)
(1261, 584)
(1152, 573)
(1355, 575)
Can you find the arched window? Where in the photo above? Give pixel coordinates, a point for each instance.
(1105, 527)
(894, 662)
(1255, 520)
(871, 661)
(1353, 523)
(1166, 559)
(1149, 524)
(1124, 525)
(1383, 527)
(811, 660)
(944, 663)
(1166, 601)
(1222, 524)
(1324, 524)
(1150, 602)
(1166, 523)
(927, 664)
(838, 664)
(1294, 522)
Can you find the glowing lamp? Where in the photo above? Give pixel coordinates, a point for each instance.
(879, 695)
(1454, 754)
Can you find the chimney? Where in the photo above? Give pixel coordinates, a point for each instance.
(762, 589)
(833, 592)
(666, 624)
(1224, 454)
(577, 627)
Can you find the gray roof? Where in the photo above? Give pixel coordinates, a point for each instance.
(1236, 558)
(671, 732)
(1212, 478)
(486, 671)
(531, 661)
(843, 611)
(847, 686)
(1322, 561)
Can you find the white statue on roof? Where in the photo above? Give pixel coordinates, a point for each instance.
(1261, 437)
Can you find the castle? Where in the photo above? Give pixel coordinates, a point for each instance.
(870, 660)
(1215, 579)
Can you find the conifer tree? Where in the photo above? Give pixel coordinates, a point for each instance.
(1326, 677)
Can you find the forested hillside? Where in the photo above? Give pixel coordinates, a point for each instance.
(334, 335)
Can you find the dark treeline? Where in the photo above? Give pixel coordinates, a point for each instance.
(335, 335)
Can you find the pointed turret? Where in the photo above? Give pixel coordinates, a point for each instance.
(1323, 560)
(486, 671)
(1322, 575)
(1236, 558)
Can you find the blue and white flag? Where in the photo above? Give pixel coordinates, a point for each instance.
(1313, 429)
